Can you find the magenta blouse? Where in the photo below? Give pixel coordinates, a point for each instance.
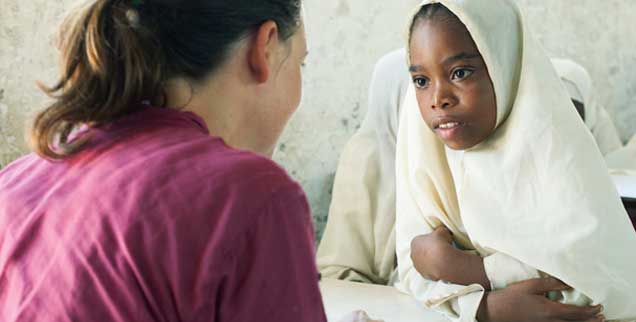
(155, 220)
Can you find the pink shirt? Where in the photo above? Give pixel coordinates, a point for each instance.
(155, 221)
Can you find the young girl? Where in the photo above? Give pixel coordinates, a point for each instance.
(493, 159)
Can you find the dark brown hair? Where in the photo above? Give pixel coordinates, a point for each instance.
(116, 54)
(432, 11)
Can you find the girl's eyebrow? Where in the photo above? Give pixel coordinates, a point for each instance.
(449, 60)
(415, 68)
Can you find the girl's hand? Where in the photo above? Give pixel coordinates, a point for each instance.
(430, 253)
(527, 302)
(435, 258)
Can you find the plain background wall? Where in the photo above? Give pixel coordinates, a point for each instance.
(345, 37)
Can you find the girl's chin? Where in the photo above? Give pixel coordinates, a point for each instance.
(455, 146)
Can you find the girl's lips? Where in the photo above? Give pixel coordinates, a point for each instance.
(449, 131)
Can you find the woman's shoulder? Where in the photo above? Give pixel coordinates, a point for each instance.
(215, 166)
(245, 167)
(186, 156)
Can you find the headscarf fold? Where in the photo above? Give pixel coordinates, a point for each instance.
(580, 87)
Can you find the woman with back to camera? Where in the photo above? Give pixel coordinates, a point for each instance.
(151, 195)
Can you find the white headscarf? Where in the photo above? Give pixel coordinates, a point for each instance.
(580, 87)
(537, 189)
(620, 159)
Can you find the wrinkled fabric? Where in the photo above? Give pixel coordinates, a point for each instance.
(155, 221)
(359, 239)
(580, 87)
(537, 190)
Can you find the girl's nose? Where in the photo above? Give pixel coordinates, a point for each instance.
(442, 97)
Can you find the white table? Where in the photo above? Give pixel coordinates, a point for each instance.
(380, 302)
(626, 185)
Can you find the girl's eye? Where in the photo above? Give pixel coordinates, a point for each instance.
(420, 82)
(462, 73)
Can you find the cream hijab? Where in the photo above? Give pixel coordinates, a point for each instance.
(620, 159)
(537, 190)
(359, 240)
(579, 85)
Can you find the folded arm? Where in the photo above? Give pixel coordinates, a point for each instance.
(517, 291)
(436, 259)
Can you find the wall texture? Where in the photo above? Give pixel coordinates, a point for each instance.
(346, 37)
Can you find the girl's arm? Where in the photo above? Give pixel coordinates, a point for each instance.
(435, 258)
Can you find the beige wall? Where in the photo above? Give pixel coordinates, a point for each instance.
(346, 38)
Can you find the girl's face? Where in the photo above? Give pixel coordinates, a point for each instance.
(454, 91)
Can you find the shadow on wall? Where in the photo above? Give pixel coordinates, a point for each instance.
(324, 197)
(9, 150)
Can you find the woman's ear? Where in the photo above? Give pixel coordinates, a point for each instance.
(263, 51)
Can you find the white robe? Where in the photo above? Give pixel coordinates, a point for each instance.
(359, 239)
(620, 159)
(535, 196)
(581, 88)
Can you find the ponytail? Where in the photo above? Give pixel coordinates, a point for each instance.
(107, 71)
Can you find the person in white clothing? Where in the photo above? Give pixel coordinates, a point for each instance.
(501, 192)
(359, 241)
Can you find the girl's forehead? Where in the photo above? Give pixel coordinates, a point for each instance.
(448, 34)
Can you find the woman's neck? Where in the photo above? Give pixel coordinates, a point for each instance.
(223, 108)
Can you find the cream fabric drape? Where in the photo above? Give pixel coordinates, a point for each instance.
(596, 117)
(620, 159)
(623, 160)
(537, 190)
(359, 240)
